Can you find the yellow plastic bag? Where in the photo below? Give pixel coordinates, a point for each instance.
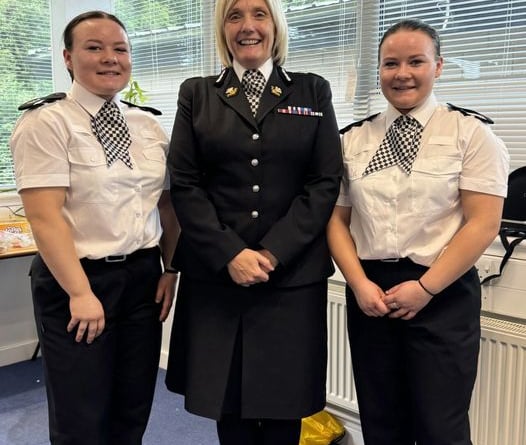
(321, 428)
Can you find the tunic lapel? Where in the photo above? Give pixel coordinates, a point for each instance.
(231, 93)
(276, 91)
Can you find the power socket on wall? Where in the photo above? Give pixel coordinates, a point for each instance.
(487, 266)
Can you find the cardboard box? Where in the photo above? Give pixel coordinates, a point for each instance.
(16, 236)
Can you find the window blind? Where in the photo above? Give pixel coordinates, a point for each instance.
(484, 50)
(25, 67)
(483, 43)
(171, 41)
(323, 40)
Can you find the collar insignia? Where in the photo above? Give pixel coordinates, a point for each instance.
(231, 91)
(275, 90)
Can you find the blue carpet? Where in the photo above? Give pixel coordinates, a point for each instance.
(23, 412)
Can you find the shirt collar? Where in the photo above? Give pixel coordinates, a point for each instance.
(422, 113)
(265, 69)
(89, 101)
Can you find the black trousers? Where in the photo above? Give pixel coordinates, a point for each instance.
(101, 394)
(233, 430)
(414, 378)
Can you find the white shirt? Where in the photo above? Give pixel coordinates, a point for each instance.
(111, 210)
(395, 215)
(265, 69)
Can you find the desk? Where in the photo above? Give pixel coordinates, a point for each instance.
(18, 251)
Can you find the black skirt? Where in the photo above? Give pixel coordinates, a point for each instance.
(259, 351)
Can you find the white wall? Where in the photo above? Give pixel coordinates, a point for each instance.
(18, 337)
(17, 327)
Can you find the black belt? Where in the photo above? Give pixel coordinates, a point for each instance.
(392, 264)
(122, 258)
(389, 260)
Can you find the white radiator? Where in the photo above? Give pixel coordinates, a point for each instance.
(498, 409)
(340, 384)
(498, 406)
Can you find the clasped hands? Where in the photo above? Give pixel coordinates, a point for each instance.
(403, 301)
(251, 266)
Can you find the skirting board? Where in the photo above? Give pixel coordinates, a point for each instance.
(17, 352)
(351, 423)
(163, 362)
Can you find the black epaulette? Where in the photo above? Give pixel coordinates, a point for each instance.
(467, 112)
(35, 103)
(358, 123)
(142, 107)
(221, 78)
(284, 75)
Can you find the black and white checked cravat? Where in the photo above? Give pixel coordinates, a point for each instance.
(110, 128)
(253, 85)
(399, 147)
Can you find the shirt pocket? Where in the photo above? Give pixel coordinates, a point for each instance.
(435, 177)
(152, 162)
(152, 153)
(365, 192)
(356, 163)
(155, 154)
(91, 181)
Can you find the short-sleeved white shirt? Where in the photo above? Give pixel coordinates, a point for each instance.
(111, 210)
(395, 215)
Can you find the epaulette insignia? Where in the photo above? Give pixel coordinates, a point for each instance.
(284, 75)
(358, 123)
(221, 78)
(467, 112)
(142, 107)
(35, 103)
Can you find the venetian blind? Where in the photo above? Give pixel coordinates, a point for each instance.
(484, 49)
(174, 40)
(171, 41)
(25, 67)
(483, 43)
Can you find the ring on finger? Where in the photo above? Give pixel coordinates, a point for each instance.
(394, 306)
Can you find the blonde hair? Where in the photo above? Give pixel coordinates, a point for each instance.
(281, 37)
